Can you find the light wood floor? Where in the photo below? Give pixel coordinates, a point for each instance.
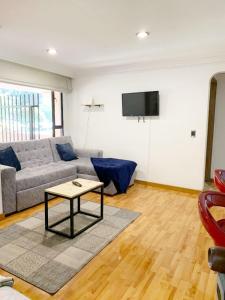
(162, 255)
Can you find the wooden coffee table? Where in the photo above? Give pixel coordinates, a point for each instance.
(70, 192)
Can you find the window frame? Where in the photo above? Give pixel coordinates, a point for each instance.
(54, 126)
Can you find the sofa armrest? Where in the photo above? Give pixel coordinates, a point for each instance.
(89, 153)
(7, 189)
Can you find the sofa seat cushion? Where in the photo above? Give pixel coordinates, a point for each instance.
(32, 177)
(83, 165)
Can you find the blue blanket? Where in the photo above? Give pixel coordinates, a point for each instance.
(118, 171)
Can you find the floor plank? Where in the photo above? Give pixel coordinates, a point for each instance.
(162, 255)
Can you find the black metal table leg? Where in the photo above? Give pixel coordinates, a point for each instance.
(46, 210)
(102, 201)
(78, 204)
(71, 218)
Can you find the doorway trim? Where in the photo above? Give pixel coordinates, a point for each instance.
(210, 134)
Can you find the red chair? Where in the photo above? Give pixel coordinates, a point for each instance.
(216, 229)
(219, 180)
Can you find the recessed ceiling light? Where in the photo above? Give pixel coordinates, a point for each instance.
(142, 35)
(52, 51)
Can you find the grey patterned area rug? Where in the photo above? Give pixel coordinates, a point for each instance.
(47, 260)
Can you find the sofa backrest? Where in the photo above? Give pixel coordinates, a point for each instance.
(31, 153)
(59, 140)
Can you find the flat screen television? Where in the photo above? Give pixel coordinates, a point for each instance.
(140, 104)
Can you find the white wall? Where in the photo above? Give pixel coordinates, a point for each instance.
(218, 154)
(161, 146)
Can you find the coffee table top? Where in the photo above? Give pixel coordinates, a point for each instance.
(69, 190)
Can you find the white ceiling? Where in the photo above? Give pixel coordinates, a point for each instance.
(92, 34)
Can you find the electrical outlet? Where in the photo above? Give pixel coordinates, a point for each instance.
(193, 133)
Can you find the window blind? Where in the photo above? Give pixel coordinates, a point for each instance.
(20, 74)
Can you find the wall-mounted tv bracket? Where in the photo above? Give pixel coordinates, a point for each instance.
(139, 118)
(93, 105)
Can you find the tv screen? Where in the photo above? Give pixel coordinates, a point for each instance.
(140, 104)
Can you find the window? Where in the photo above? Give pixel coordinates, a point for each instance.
(57, 113)
(29, 113)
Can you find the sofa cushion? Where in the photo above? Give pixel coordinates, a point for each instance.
(9, 158)
(83, 165)
(35, 195)
(32, 177)
(66, 152)
(59, 140)
(31, 153)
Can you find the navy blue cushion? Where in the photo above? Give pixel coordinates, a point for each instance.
(66, 151)
(8, 158)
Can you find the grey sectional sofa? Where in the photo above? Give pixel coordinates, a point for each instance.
(42, 168)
